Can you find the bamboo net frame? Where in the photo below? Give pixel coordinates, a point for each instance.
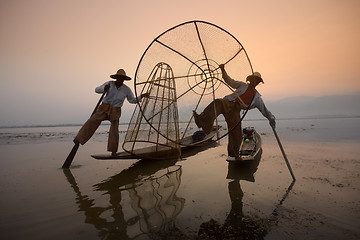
(194, 50)
(154, 115)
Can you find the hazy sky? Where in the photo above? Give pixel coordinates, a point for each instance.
(53, 53)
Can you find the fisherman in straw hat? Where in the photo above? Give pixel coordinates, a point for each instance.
(110, 109)
(230, 106)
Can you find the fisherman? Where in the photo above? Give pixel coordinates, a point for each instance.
(110, 109)
(231, 105)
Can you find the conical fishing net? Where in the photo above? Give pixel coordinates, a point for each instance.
(143, 137)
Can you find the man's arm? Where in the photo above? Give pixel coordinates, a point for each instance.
(103, 87)
(232, 83)
(132, 99)
(265, 112)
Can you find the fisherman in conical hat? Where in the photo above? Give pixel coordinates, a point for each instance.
(110, 109)
(245, 96)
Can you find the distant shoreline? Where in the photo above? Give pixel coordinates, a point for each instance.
(245, 120)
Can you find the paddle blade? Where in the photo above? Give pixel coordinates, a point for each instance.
(71, 156)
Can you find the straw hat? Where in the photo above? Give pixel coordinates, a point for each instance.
(120, 74)
(255, 75)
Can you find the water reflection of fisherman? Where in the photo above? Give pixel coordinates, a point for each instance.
(145, 204)
(236, 225)
(245, 226)
(106, 229)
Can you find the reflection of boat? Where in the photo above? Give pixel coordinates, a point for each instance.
(250, 148)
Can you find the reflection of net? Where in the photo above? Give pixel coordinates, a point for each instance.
(194, 51)
(156, 121)
(155, 200)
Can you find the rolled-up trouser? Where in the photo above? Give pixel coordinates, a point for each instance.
(231, 112)
(104, 112)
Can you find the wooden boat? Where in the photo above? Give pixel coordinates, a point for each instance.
(250, 147)
(163, 151)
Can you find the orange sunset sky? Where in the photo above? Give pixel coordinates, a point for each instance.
(53, 53)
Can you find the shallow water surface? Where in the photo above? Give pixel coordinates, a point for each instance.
(199, 196)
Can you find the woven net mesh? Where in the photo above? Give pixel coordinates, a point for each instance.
(156, 114)
(193, 50)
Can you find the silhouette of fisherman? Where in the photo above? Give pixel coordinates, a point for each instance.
(110, 109)
(245, 96)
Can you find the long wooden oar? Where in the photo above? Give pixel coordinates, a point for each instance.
(73, 151)
(283, 152)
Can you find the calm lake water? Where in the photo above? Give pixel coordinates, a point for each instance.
(186, 198)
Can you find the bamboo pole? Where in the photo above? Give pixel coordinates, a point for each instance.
(283, 153)
(73, 151)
